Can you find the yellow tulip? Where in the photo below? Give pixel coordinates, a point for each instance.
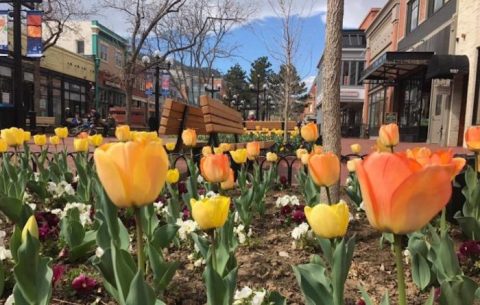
(225, 146)
(80, 144)
(132, 173)
(54, 140)
(272, 157)
(95, 140)
(388, 135)
(215, 168)
(356, 148)
(207, 150)
(239, 156)
(173, 175)
(189, 137)
(328, 221)
(218, 150)
(253, 150)
(352, 164)
(3, 146)
(61, 132)
(210, 212)
(300, 152)
(122, 133)
(305, 158)
(13, 136)
(40, 139)
(170, 146)
(31, 227)
(144, 136)
(230, 182)
(27, 135)
(309, 132)
(324, 169)
(472, 138)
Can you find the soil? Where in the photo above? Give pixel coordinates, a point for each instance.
(261, 266)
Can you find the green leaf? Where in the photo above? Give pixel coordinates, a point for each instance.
(2, 279)
(15, 210)
(420, 271)
(220, 290)
(365, 296)
(275, 298)
(164, 235)
(461, 291)
(316, 287)
(201, 243)
(431, 297)
(124, 269)
(385, 300)
(140, 292)
(72, 232)
(163, 271)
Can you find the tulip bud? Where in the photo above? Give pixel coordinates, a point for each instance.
(218, 150)
(189, 137)
(239, 156)
(472, 138)
(54, 140)
(61, 132)
(272, 157)
(80, 145)
(356, 148)
(253, 150)
(305, 158)
(95, 140)
(300, 152)
(27, 136)
(30, 227)
(389, 135)
(309, 132)
(215, 168)
(40, 139)
(230, 182)
(225, 146)
(173, 175)
(13, 136)
(210, 212)
(328, 221)
(3, 146)
(170, 146)
(351, 164)
(324, 169)
(122, 133)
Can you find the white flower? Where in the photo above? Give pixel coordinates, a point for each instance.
(241, 238)
(2, 237)
(158, 205)
(36, 176)
(244, 293)
(236, 217)
(26, 196)
(211, 194)
(33, 206)
(350, 187)
(406, 253)
(200, 179)
(294, 200)
(300, 231)
(51, 187)
(83, 209)
(99, 252)
(69, 189)
(250, 232)
(348, 181)
(258, 298)
(10, 300)
(362, 205)
(57, 212)
(186, 227)
(5, 254)
(199, 262)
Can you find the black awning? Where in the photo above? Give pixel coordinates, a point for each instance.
(447, 66)
(394, 65)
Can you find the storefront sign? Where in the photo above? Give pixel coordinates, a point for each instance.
(165, 84)
(34, 34)
(3, 33)
(390, 117)
(112, 84)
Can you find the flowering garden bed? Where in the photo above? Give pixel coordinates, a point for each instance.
(123, 228)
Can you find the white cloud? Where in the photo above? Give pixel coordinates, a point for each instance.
(309, 81)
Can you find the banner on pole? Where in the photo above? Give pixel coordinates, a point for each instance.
(3, 33)
(165, 84)
(34, 34)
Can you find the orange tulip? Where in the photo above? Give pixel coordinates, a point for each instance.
(215, 168)
(253, 150)
(400, 195)
(324, 169)
(472, 138)
(388, 135)
(317, 149)
(230, 182)
(425, 157)
(309, 132)
(189, 137)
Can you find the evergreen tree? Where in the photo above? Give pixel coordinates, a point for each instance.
(236, 83)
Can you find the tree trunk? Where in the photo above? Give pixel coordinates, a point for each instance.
(331, 129)
(128, 102)
(287, 100)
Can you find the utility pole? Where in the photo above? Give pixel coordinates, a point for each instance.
(17, 65)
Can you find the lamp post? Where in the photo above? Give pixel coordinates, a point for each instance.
(234, 101)
(212, 89)
(159, 63)
(96, 61)
(257, 90)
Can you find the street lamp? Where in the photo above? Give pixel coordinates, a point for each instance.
(257, 89)
(268, 98)
(159, 63)
(212, 89)
(234, 101)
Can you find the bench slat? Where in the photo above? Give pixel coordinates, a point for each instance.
(210, 119)
(223, 129)
(210, 106)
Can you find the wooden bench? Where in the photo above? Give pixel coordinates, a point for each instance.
(219, 118)
(137, 117)
(177, 116)
(42, 122)
(252, 125)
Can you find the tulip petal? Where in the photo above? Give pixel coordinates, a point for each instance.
(112, 178)
(419, 198)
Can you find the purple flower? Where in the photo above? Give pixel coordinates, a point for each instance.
(182, 188)
(437, 294)
(185, 213)
(470, 249)
(286, 210)
(201, 191)
(47, 224)
(298, 216)
(361, 302)
(283, 180)
(58, 271)
(83, 284)
(63, 253)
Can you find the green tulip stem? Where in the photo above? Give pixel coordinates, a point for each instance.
(214, 255)
(397, 245)
(329, 197)
(391, 149)
(443, 222)
(139, 231)
(477, 168)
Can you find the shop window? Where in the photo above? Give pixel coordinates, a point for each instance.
(351, 72)
(118, 58)
(376, 101)
(435, 5)
(104, 52)
(412, 15)
(80, 47)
